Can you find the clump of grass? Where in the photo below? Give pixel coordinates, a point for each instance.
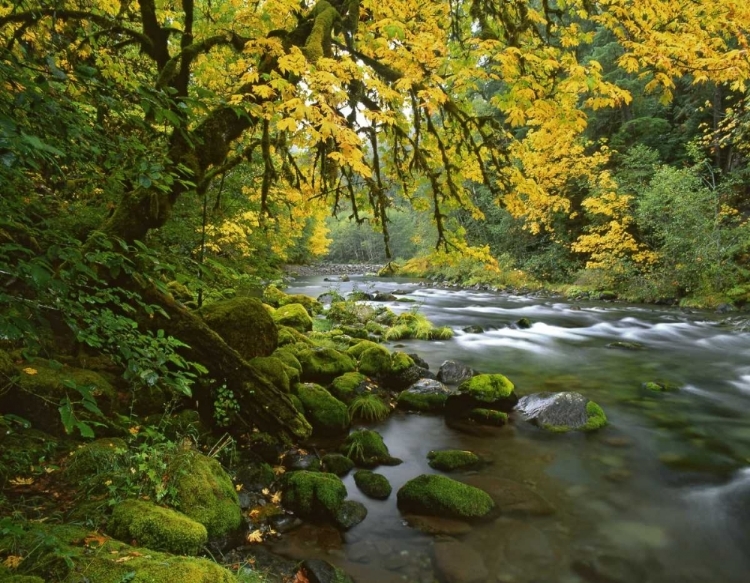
(368, 407)
(398, 332)
(442, 333)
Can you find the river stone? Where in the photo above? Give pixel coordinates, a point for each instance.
(512, 498)
(425, 395)
(457, 562)
(350, 514)
(419, 361)
(474, 329)
(454, 373)
(556, 411)
(320, 571)
(437, 525)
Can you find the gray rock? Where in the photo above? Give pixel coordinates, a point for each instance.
(609, 569)
(320, 571)
(457, 562)
(473, 329)
(350, 514)
(419, 361)
(454, 373)
(284, 522)
(554, 410)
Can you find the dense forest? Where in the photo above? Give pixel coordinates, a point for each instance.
(162, 160)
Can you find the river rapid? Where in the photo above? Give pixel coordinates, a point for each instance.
(662, 494)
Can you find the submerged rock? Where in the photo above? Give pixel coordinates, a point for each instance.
(437, 525)
(523, 324)
(350, 514)
(320, 571)
(454, 373)
(626, 345)
(561, 412)
(474, 329)
(457, 562)
(511, 497)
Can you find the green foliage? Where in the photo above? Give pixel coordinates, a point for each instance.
(368, 407)
(225, 405)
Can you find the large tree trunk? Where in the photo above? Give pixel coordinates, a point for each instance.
(262, 404)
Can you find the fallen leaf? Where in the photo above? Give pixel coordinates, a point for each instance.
(95, 538)
(265, 491)
(12, 561)
(278, 470)
(276, 498)
(300, 577)
(30, 371)
(238, 487)
(255, 537)
(22, 481)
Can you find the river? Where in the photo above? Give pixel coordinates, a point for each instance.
(662, 494)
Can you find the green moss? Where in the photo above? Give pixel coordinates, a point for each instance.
(398, 332)
(441, 496)
(366, 448)
(488, 417)
(355, 332)
(324, 364)
(651, 386)
(295, 316)
(274, 296)
(96, 459)
(450, 460)
(487, 388)
(312, 305)
(206, 494)
(44, 383)
(375, 361)
(71, 554)
(7, 368)
(288, 358)
(400, 362)
(157, 528)
(180, 292)
(344, 388)
(596, 417)
(338, 464)
(274, 370)
(350, 313)
(357, 350)
(313, 495)
(289, 336)
(375, 328)
(326, 414)
(244, 324)
(421, 401)
(373, 485)
(21, 579)
(297, 403)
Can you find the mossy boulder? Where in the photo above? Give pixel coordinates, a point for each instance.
(289, 336)
(357, 350)
(273, 296)
(275, 371)
(350, 313)
(313, 496)
(562, 412)
(375, 361)
(440, 496)
(403, 372)
(327, 415)
(180, 292)
(451, 460)
(7, 368)
(366, 448)
(157, 528)
(336, 463)
(322, 365)
(424, 395)
(45, 383)
(312, 305)
(82, 555)
(244, 324)
(205, 493)
(96, 461)
(295, 316)
(484, 391)
(373, 485)
(346, 387)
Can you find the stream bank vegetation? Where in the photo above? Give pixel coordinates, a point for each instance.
(160, 160)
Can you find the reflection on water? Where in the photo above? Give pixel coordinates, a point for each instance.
(662, 494)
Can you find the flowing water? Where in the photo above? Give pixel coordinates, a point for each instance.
(662, 494)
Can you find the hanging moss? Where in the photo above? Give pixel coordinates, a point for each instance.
(319, 41)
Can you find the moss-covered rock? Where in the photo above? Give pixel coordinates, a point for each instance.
(375, 361)
(373, 485)
(312, 305)
(327, 415)
(45, 383)
(357, 350)
(255, 477)
(346, 387)
(451, 460)
(7, 368)
(338, 464)
(350, 313)
(75, 554)
(289, 359)
(350, 514)
(659, 386)
(289, 336)
(294, 316)
(488, 417)
(206, 494)
(367, 449)
(274, 370)
(244, 324)
(562, 412)
(322, 365)
(180, 292)
(21, 579)
(157, 528)
(484, 391)
(97, 459)
(403, 372)
(424, 395)
(273, 296)
(313, 495)
(440, 496)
